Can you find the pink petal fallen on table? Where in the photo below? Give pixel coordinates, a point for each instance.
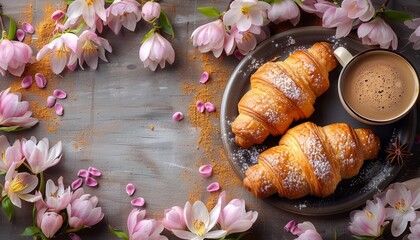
(28, 28)
(200, 106)
(204, 77)
(74, 236)
(213, 187)
(20, 34)
(60, 94)
(57, 15)
(209, 107)
(130, 189)
(94, 171)
(51, 101)
(178, 116)
(83, 173)
(26, 81)
(91, 182)
(40, 80)
(138, 202)
(76, 183)
(59, 109)
(206, 170)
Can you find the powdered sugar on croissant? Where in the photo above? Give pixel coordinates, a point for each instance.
(311, 160)
(282, 92)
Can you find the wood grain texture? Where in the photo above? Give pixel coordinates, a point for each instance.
(107, 124)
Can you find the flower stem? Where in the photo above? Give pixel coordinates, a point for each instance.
(384, 4)
(3, 29)
(41, 183)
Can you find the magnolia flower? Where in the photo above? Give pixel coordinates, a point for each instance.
(156, 50)
(210, 37)
(245, 13)
(304, 231)
(362, 9)
(377, 32)
(14, 56)
(415, 36)
(56, 197)
(10, 154)
(174, 219)
(244, 41)
(140, 228)
(88, 9)
(368, 222)
(89, 48)
(309, 6)
(123, 13)
(335, 17)
(39, 156)
(61, 50)
(82, 212)
(49, 222)
(150, 10)
(14, 114)
(200, 222)
(18, 186)
(284, 10)
(233, 217)
(403, 205)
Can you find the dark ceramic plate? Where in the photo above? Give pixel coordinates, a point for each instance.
(374, 176)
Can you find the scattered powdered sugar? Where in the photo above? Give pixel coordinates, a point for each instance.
(247, 157)
(290, 41)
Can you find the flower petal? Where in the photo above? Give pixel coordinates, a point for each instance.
(138, 202)
(59, 109)
(28, 28)
(27, 81)
(51, 101)
(94, 172)
(213, 187)
(178, 116)
(40, 80)
(76, 183)
(91, 182)
(83, 173)
(200, 106)
(204, 77)
(60, 94)
(206, 170)
(209, 107)
(130, 189)
(20, 34)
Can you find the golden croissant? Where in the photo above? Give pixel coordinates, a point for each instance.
(282, 92)
(311, 160)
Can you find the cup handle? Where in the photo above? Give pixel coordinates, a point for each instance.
(343, 56)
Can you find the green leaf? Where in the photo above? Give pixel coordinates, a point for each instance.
(397, 15)
(11, 129)
(299, 2)
(363, 237)
(12, 27)
(68, 2)
(109, 1)
(209, 12)
(8, 208)
(30, 231)
(165, 24)
(119, 233)
(148, 35)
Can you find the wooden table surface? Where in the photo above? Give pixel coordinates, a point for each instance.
(118, 119)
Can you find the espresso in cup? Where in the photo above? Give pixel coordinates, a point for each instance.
(378, 86)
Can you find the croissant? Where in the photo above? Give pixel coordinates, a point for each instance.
(311, 160)
(282, 92)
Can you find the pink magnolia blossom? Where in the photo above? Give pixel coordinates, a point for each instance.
(61, 50)
(283, 11)
(200, 222)
(57, 197)
(210, 37)
(82, 211)
(378, 32)
(304, 231)
(140, 228)
(361, 9)
(17, 186)
(245, 13)
(403, 205)
(156, 50)
(415, 36)
(89, 47)
(49, 222)
(233, 217)
(174, 219)
(14, 56)
(369, 221)
(309, 6)
(123, 13)
(57, 15)
(150, 10)
(10, 154)
(14, 114)
(335, 17)
(244, 41)
(88, 10)
(38, 154)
